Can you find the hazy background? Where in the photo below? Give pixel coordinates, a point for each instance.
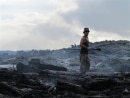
(54, 24)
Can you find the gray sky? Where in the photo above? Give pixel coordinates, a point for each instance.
(54, 24)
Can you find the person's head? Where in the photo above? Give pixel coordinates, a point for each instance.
(86, 31)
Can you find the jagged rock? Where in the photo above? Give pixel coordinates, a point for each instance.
(4, 96)
(62, 75)
(8, 90)
(71, 87)
(37, 94)
(54, 72)
(35, 63)
(36, 66)
(101, 84)
(28, 85)
(24, 68)
(27, 81)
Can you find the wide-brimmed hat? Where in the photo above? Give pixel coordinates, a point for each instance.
(86, 30)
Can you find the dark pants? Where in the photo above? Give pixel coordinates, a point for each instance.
(85, 63)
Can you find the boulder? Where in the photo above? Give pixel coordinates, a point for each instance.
(24, 68)
(36, 66)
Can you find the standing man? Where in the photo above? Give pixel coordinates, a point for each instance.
(84, 59)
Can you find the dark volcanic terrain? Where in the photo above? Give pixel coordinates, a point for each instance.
(55, 73)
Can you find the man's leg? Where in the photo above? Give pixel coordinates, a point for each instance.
(85, 63)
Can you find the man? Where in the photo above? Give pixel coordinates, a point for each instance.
(84, 59)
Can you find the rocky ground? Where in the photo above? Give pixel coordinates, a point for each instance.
(65, 85)
(62, 80)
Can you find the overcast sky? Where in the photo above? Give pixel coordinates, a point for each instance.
(54, 24)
